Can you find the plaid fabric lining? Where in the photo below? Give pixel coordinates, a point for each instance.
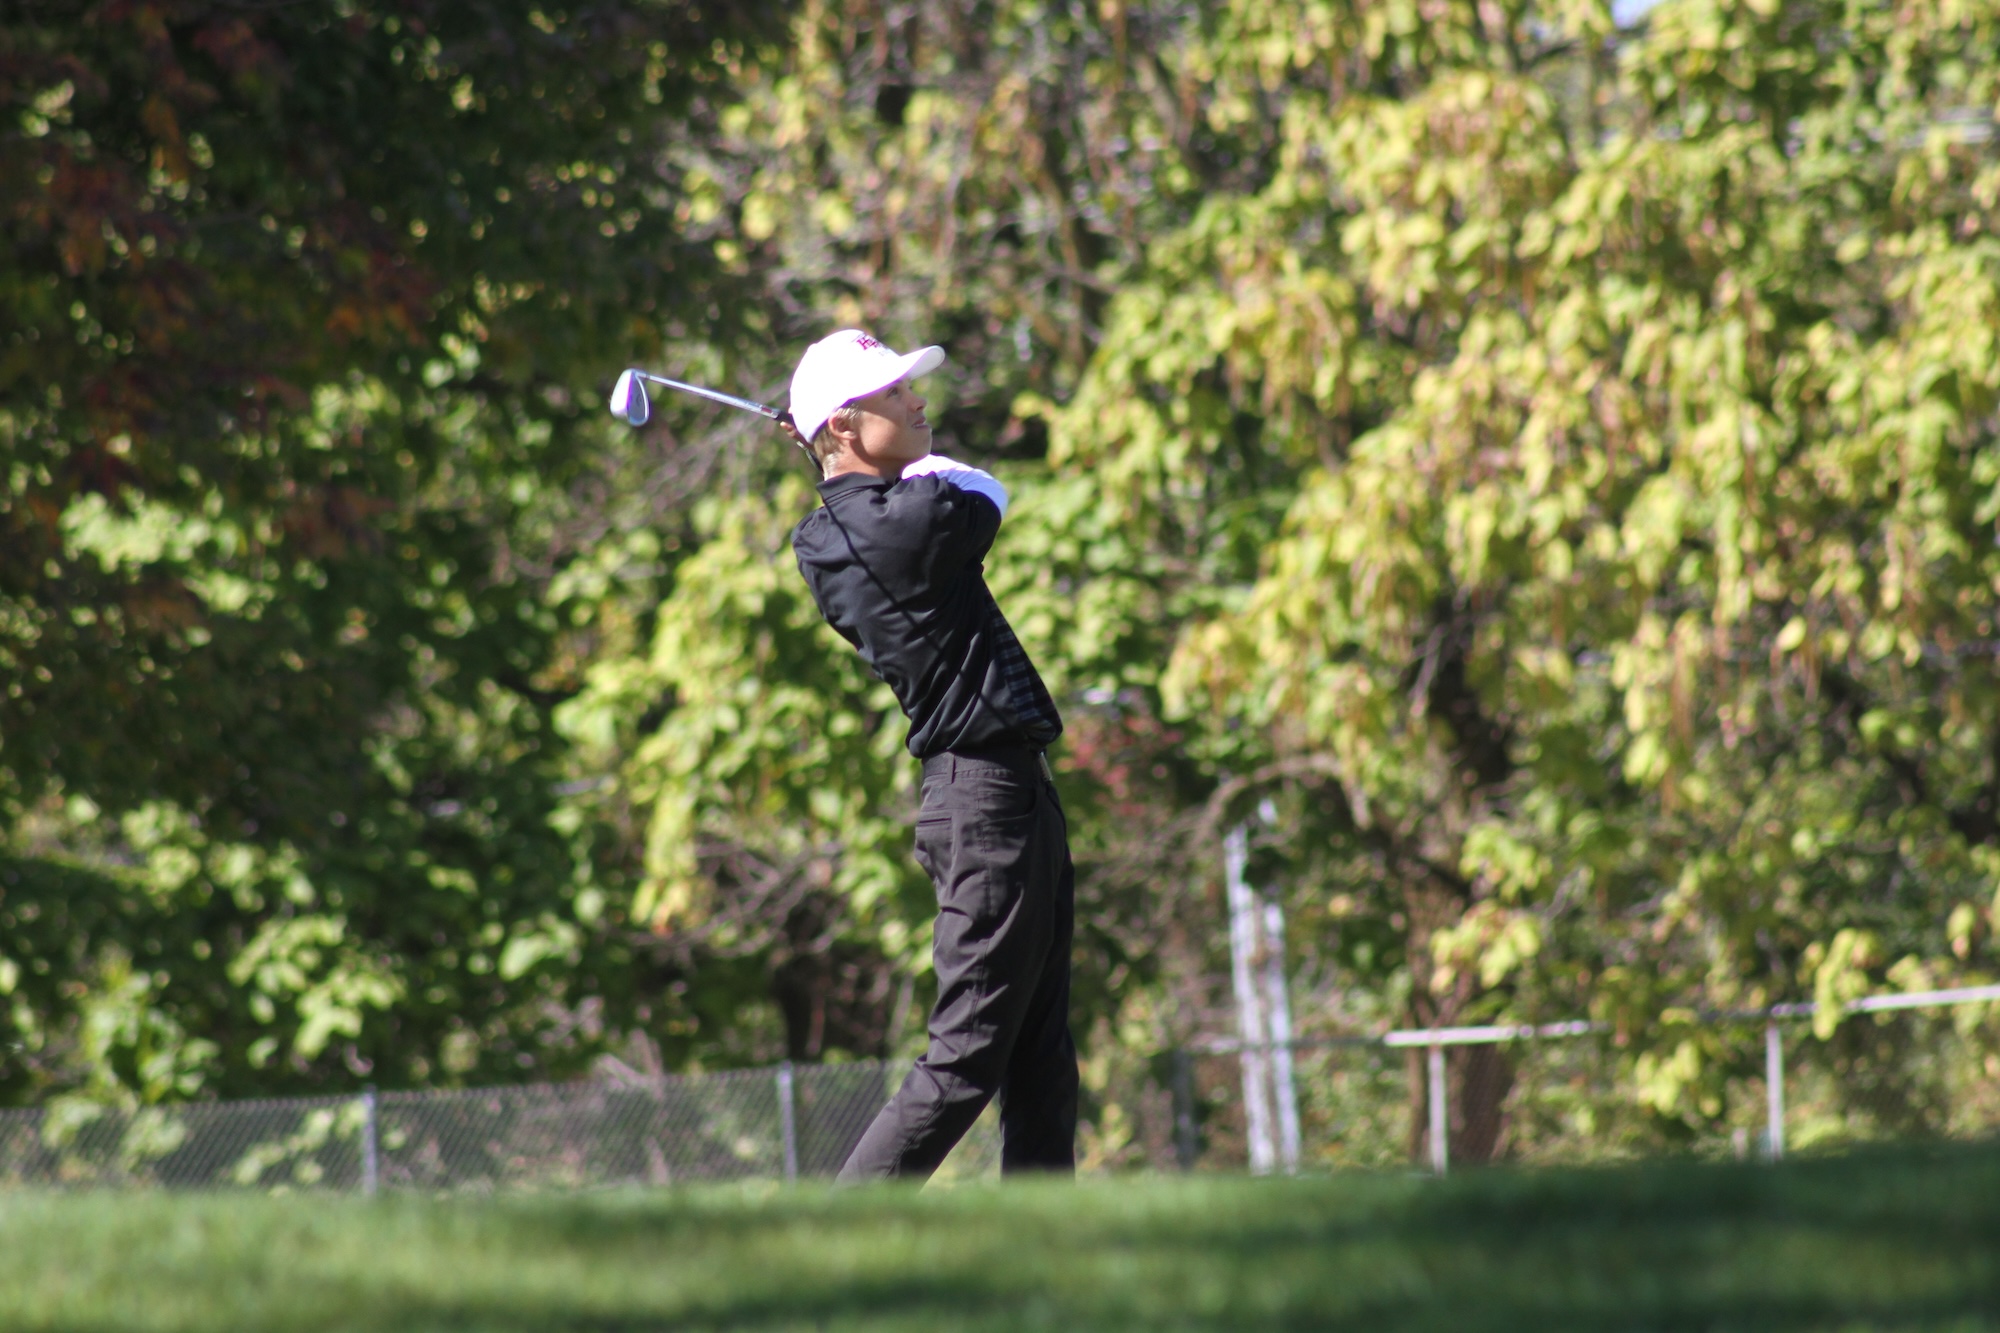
(1034, 711)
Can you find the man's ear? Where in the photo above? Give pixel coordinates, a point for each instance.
(845, 430)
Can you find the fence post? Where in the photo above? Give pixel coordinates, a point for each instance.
(1255, 1052)
(1774, 1091)
(371, 1143)
(1278, 1014)
(788, 1124)
(1186, 1145)
(1440, 1119)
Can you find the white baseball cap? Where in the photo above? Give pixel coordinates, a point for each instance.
(847, 365)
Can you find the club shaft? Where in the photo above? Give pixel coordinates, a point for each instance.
(713, 395)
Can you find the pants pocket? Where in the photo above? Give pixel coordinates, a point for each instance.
(933, 842)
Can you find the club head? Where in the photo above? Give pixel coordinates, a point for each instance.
(629, 401)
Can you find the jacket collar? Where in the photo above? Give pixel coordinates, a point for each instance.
(852, 481)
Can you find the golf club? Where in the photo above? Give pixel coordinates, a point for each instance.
(630, 403)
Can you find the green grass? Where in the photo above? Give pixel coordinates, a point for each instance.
(1906, 1241)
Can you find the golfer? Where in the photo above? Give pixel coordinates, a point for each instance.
(893, 556)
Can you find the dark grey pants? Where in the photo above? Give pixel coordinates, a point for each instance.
(992, 837)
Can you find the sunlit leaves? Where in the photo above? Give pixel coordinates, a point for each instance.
(1673, 531)
(772, 746)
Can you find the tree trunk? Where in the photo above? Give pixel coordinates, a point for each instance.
(1478, 1080)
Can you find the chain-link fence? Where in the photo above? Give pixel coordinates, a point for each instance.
(778, 1124)
(1896, 1068)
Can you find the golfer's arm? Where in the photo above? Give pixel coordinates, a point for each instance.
(963, 476)
(941, 522)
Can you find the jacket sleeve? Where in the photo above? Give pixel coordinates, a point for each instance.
(949, 528)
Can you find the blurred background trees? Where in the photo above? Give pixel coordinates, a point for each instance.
(302, 310)
(1553, 462)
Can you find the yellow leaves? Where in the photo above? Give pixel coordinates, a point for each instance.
(672, 891)
(701, 199)
(760, 216)
(1401, 254)
(1661, 669)
(1855, 248)
(1515, 868)
(1471, 522)
(1488, 939)
(1234, 319)
(834, 214)
(1210, 668)
(1448, 185)
(1961, 928)
(1548, 666)
(1672, 1079)
(1263, 46)
(1840, 973)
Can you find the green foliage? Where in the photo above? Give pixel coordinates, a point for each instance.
(776, 752)
(304, 312)
(1640, 619)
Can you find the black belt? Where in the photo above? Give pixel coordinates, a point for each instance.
(1019, 759)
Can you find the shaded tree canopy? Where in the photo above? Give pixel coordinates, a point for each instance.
(305, 308)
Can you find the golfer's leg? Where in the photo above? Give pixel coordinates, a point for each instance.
(973, 838)
(1038, 1098)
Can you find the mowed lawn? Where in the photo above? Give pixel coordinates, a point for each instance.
(1878, 1241)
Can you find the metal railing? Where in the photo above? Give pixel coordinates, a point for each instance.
(1940, 1083)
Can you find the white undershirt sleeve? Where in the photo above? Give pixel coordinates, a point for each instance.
(962, 475)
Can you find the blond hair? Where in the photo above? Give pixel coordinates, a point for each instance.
(823, 445)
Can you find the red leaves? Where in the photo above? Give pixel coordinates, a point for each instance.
(326, 524)
(250, 62)
(161, 604)
(82, 202)
(170, 155)
(95, 468)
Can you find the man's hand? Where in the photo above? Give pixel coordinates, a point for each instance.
(785, 425)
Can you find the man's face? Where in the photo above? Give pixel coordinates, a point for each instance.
(890, 426)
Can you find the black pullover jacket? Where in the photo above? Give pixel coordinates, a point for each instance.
(897, 568)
